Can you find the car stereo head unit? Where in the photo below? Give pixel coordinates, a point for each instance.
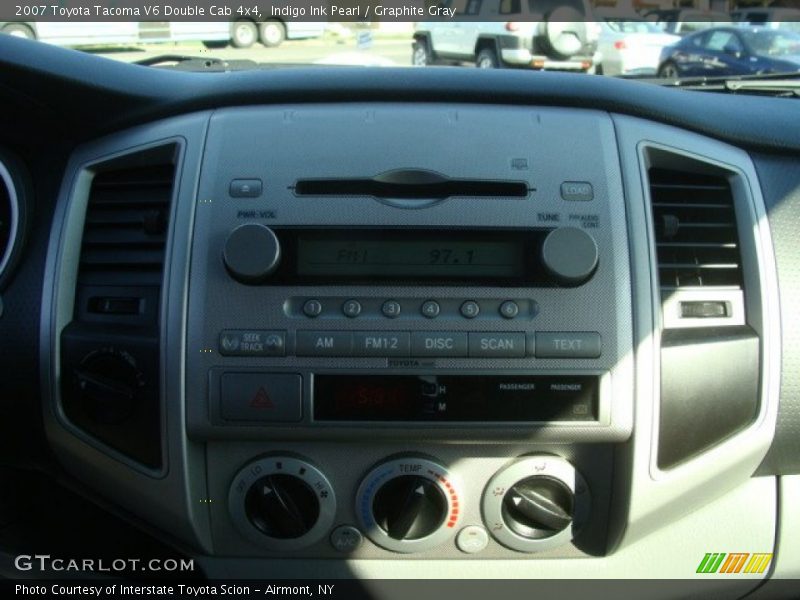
(356, 288)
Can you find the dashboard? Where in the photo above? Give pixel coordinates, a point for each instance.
(407, 324)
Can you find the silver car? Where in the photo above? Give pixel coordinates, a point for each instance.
(631, 47)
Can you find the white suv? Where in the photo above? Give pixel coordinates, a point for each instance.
(538, 34)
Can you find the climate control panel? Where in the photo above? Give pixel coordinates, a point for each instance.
(411, 504)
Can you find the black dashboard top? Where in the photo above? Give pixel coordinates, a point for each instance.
(80, 86)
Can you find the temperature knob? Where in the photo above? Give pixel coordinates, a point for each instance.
(252, 253)
(537, 503)
(282, 502)
(409, 504)
(570, 255)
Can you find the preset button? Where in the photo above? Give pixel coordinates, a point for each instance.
(378, 343)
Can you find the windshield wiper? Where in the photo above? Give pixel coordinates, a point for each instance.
(185, 62)
(773, 84)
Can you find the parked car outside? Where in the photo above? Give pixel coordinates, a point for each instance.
(687, 21)
(66, 33)
(270, 32)
(538, 34)
(629, 46)
(725, 51)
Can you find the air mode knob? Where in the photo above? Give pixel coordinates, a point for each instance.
(409, 504)
(282, 502)
(537, 503)
(570, 255)
(252, 253)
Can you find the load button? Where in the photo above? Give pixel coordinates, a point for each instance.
(568, 344)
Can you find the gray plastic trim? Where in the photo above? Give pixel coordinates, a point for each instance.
(170, 498)
(655, 497)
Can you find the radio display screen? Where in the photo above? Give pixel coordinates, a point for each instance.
(410, 255)
(486, 398)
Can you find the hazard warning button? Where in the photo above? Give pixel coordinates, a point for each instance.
(267, 397)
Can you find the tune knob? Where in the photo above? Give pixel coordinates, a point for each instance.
(570, 255)
(537, 503)
(282, 502)
(409, 504)
(252, 253)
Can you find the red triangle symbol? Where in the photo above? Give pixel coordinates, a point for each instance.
(261, 400)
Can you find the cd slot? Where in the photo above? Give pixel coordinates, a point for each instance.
(410, 184)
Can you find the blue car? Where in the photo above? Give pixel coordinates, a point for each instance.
(727, 51)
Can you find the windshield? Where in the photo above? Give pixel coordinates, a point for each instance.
(577, 36)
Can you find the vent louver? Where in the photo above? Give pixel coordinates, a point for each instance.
(695, 227)
(125, 230)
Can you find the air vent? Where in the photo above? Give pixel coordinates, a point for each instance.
(126, 224)
(695, 227)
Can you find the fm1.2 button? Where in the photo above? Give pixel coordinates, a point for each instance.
(351, 308)
(391, 309)
(430, 309)
(377, 343)
(509, 309)
(470, 309)
(312, 308)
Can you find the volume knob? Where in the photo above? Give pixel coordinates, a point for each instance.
(570, 255)
(252, 253)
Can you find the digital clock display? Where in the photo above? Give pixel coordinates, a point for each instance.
(417, 255)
